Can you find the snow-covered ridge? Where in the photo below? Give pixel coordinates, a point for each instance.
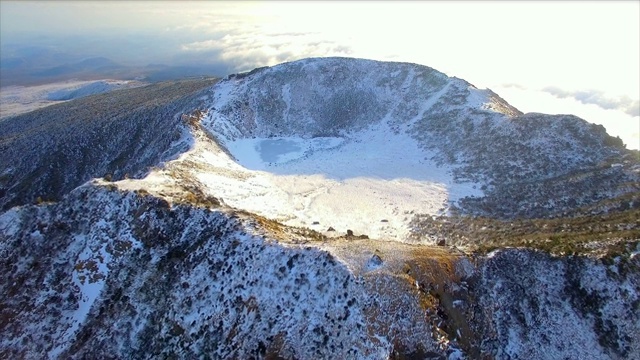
(48, 152)
(327, 97)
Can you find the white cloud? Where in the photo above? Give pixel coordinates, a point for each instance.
(599, 98)
(254, 47)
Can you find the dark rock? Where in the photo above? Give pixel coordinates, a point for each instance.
(331, 229)
(375, 260)
(177, 330)
(316, 223)
(442, 243)
(349, 233)
(384, 220)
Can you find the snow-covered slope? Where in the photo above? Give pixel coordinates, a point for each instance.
(333, 96)
(90, 88)
(127, 274)
(15, 100)
(48, 152)
(544, 307)
(107, 272)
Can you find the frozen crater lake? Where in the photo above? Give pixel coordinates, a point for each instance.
(259, 153)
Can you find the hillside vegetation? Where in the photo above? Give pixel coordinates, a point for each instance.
(46, 153)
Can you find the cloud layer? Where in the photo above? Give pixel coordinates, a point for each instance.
(599, 98)
(250, 50)
(531, 45)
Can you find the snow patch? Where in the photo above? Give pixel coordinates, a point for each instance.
(9, 223)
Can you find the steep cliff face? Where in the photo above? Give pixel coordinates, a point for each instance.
(293, 212)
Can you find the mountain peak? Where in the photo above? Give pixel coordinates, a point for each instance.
(323, 208)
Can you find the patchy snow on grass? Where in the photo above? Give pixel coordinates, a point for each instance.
(89, 277)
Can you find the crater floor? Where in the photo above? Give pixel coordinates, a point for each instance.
(370, 182)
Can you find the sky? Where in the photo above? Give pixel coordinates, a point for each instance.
(578, 57)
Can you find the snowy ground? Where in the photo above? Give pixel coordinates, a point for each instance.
(371, 182)
(15, 100)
